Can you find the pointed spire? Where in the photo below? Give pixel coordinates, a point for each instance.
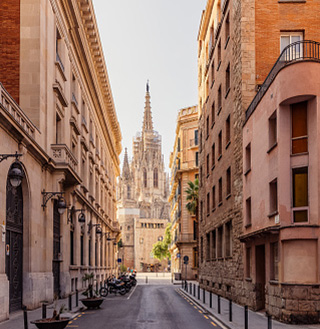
(125, 168)
(147, 117)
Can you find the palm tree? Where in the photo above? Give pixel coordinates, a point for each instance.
(193, 197)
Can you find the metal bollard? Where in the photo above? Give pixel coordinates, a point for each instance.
(210, 299)
(25, 317)
(146, 279)
(246, 322)
(198, 291)
(269, 321)
(190, 288)
(230, 310)
(77, 298)
(171, 278)
(44, 311)
(204, 296)
(219, 305)
(70, 302)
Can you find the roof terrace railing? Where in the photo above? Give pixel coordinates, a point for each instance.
(296, 52)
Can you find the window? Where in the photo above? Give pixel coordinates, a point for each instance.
(300, 194)
(213, 245)
(248, 212)
(273, 188)
(196, 140)
(207, 126)
(201, 210)
(89, 252)
(71, 248)
(208, 204)
(220, 191)
(81, 250)
(212, 73)
(128, 192)
(227, 80)
(274, 261)
(200, 172)
(220, 242)
(248, 262)
(200, 146)
(228, 181)
(178, 146)
(58, 129)
(201, 249)
(213, 155)
(219, 54)
(213, 198)
(248, 158)
(212, 114)
(59, 49)
(228, 131)
(219, 100)
(208, 256)
(287, 38)
(227, 30)
(208, 164)
(228, 239)
(299, 129)
(273, 130)
(197, 159)
(220, 144)
(155, 178)
(144, 177)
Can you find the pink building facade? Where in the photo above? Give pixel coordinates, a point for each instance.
(281, 189)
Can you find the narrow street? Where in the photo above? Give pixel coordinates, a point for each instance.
(149, 306)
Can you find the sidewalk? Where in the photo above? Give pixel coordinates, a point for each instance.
(256, 320)
(16, 319)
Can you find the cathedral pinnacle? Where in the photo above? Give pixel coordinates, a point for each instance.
(125, 168)
(147, 117)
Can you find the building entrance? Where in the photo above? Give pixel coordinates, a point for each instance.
(260, 277)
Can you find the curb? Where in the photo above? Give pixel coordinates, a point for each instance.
(205, 310)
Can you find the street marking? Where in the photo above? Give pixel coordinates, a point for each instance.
(83, 313)
(200, 311)
(79, 315)
(132, 292)
(195, 307)
(206, 317)
(213, 324)
(72, 326)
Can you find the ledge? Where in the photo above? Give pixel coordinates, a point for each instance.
(247, 172)
(272, 147)
(228, 144)
(274, 213)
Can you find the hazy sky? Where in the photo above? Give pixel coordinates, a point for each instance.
(155, 40)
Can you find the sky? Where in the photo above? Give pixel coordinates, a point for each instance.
(153, 40)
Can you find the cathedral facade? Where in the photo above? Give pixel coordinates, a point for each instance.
(143, 208)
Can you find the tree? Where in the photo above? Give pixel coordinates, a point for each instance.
(193, 197)
(160, 249)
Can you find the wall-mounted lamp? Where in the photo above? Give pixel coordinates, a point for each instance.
(72, 211)
(15, 173)
(62, 205)
(98, 228)
(108, 238)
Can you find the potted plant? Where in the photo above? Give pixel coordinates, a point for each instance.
(93, 299)
(56, 322)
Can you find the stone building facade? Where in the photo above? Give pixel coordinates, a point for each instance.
(143, 193)
(281, 188)
(239, 41)
(184, 168)
(61, 221)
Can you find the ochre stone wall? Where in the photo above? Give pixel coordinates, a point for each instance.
(10, 46)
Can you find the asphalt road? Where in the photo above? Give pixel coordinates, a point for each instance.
(148, 307)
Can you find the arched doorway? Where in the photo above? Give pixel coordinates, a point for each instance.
(14, 243)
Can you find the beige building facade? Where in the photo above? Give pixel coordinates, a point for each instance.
(142, 196)
(184, 168)
(60, 222)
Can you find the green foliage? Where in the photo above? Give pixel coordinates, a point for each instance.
(90, 292)
(160, 249)
(193, 197)
(123, 268)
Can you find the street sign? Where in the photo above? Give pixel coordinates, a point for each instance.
(178, 255)
(119, 260)
(186, 260)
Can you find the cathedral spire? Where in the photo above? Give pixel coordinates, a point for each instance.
(125, 168)
(147, 117)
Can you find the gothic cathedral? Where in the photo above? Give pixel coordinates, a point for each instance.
(143, 208)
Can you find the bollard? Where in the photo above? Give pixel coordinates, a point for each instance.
(25, 317)
(246, 323)
(186, 285)
(146, 279)
(210, 299)
(77, 298)
(171, 278)
(269, 321)
(198, 291)
(204, 296)
(44, 311)
(190, 288)
(230, 310)
(70, 302)
(219, 305)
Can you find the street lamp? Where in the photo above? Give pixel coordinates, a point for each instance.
(62, 205)
(72, 211)
(98, 228)
(15, 173)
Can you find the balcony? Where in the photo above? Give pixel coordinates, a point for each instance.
(66, 162)
(186, 238)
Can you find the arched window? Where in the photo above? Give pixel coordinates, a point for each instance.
(128, 192)
(155, 178)
(144, 177)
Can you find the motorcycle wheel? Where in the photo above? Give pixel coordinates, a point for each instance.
(103, 292)
(122, 291)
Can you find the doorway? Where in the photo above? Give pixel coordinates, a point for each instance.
(260, 277)
(56, 250)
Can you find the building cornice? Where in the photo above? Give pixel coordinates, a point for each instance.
(205, 19)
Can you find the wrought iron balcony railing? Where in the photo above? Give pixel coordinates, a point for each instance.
(296, 52)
